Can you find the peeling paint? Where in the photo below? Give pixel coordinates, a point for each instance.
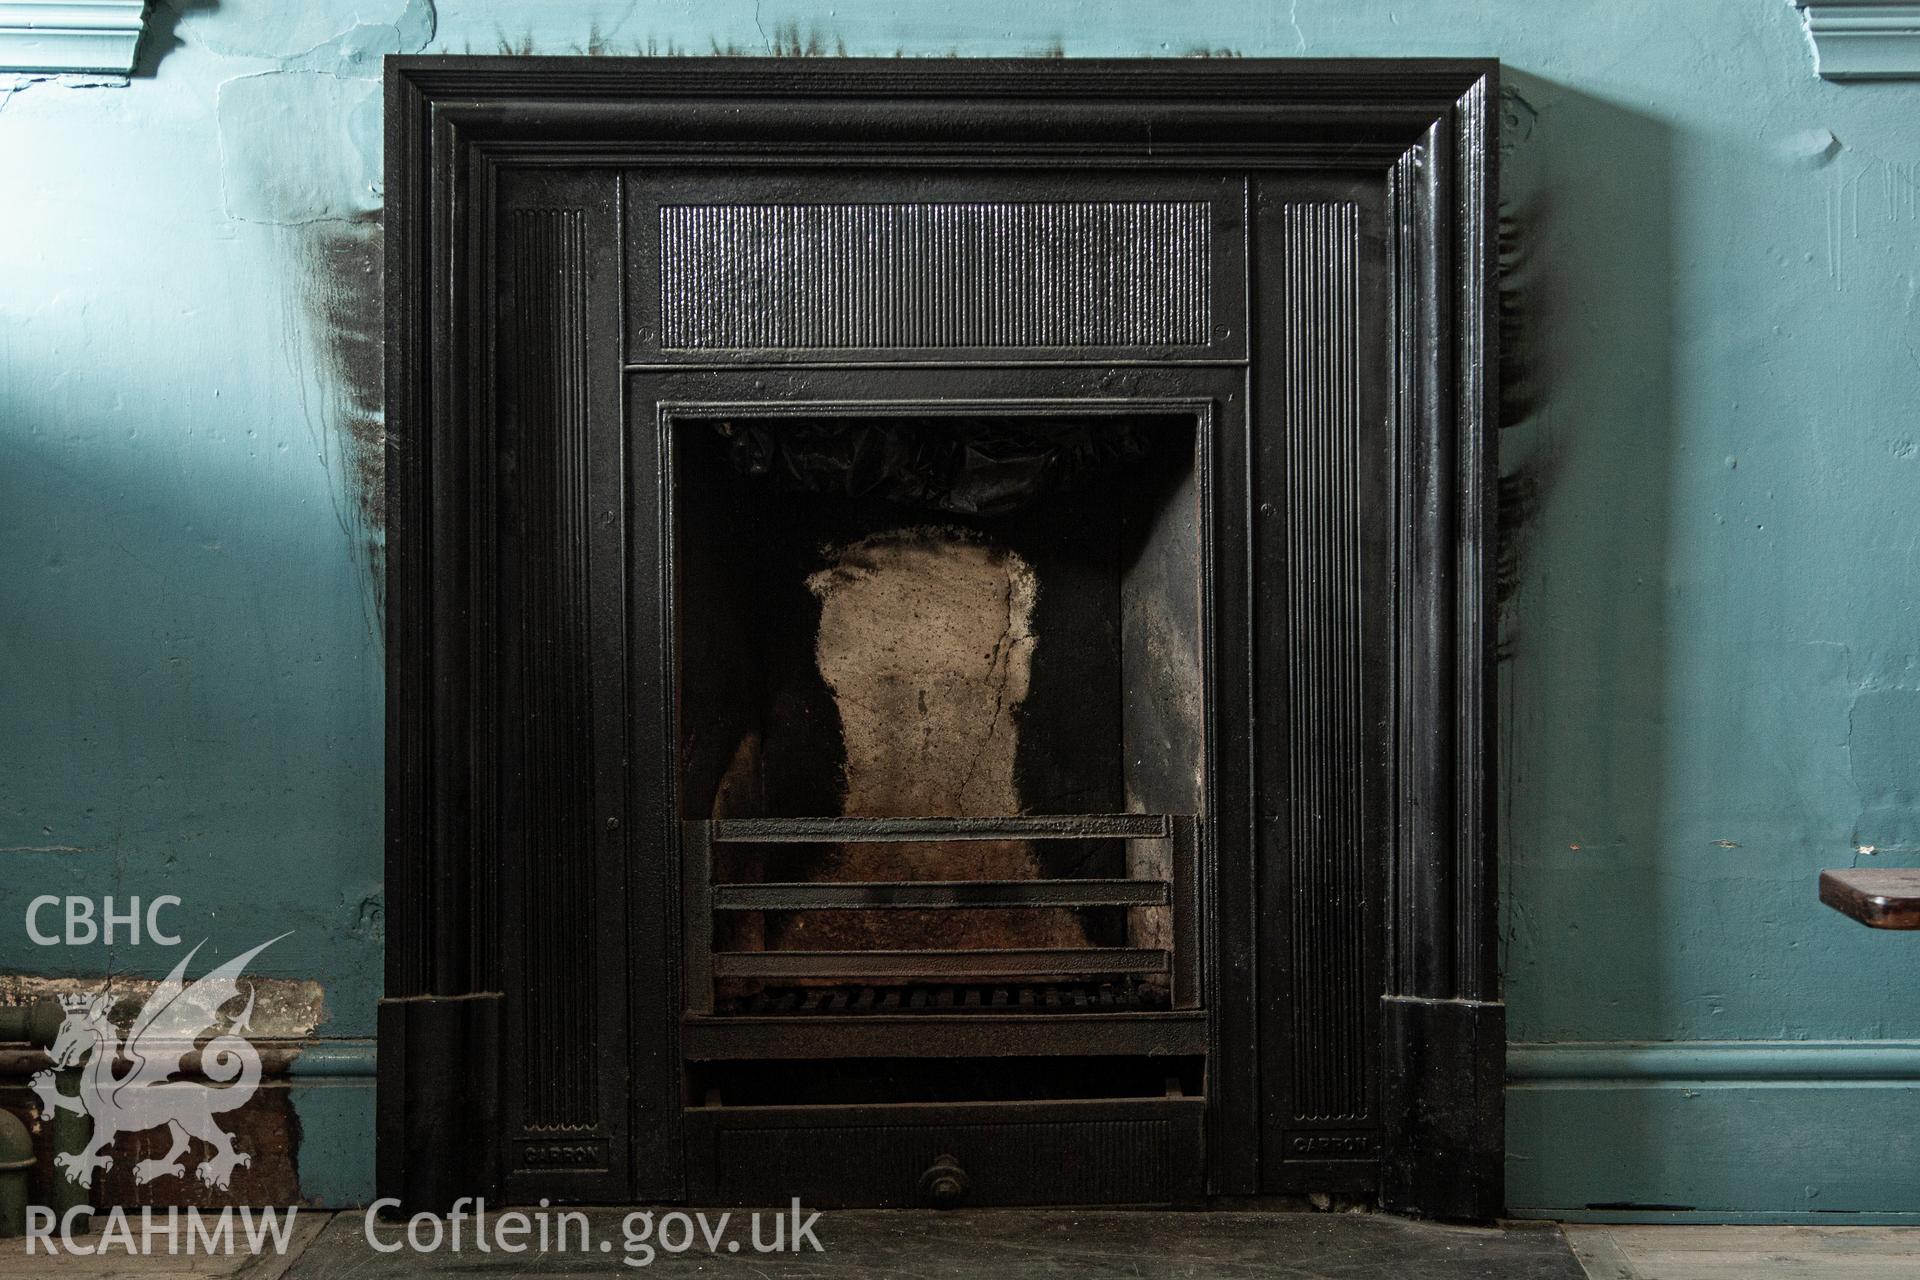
(1518, 115)
(1810, 148)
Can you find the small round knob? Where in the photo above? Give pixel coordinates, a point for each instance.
(945, 1184)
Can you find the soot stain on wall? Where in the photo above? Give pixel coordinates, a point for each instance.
(340, 290)
(1524, 322)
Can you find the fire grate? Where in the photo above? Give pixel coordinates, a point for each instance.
(1042, 981)
(937, 998)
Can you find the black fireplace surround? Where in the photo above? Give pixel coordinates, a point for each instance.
(938, 630)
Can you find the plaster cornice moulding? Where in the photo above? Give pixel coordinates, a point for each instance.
(1864, 39)
(70, 35)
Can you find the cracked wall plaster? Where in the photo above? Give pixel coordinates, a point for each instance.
(315, 37)
(301, 142)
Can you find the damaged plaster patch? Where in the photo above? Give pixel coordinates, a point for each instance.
(1810, 148)
(284, 1008)
(302, 142)
(1883, 741)
(926, 642)
(359, 49)
(310, 37)
(299, 147)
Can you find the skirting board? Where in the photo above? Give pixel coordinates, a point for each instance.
(1802, 1132)
(332, 1086)
(1725, 1131)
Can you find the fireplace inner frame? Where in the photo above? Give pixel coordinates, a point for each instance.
(1390, 163)
(1157, 879)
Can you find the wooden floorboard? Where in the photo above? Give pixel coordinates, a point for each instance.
(1745, 1253)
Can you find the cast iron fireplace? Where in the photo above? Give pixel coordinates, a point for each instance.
(938, 633)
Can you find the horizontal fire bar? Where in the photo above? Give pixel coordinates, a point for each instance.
(938, 894)
(938, 964)
(1092, 826)
(954, 1035)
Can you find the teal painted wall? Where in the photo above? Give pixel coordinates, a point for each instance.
(1714, 680)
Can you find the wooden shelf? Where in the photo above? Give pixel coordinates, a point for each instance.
(1878, 898)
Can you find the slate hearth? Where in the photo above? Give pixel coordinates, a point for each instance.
(1037, 1245)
